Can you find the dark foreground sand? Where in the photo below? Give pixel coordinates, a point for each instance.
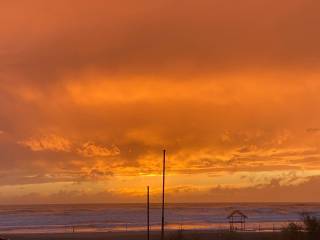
(186, 235)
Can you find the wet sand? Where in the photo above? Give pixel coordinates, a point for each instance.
(186, 235)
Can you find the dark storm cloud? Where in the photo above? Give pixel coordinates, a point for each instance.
(43, 40)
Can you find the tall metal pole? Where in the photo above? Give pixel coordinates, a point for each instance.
(148, 211)
(163, 188)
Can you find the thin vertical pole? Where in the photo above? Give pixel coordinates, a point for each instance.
(148, 211)
(163, 188)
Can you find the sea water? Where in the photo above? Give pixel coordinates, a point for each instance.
(132, 217)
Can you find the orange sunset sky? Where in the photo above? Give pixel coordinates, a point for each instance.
(92, 91)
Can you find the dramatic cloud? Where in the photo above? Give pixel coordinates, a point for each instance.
(303, 192)
(91, 92)
(313, 130)
(91, 150)
(50, 142)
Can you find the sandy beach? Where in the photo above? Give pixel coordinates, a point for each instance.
(188, 235)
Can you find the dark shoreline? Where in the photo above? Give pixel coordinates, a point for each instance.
(172, 235)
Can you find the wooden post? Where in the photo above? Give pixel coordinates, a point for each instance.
(148, 212)
(163, 191)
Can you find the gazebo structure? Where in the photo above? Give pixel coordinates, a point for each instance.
(237, 221)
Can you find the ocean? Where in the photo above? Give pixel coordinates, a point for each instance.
(132, 217)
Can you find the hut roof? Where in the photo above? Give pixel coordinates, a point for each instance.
(237, 213)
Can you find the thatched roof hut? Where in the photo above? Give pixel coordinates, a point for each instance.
(237, 220)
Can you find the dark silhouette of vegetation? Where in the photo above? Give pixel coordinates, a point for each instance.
(309, 230)
(312, 227)
(293, 231)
